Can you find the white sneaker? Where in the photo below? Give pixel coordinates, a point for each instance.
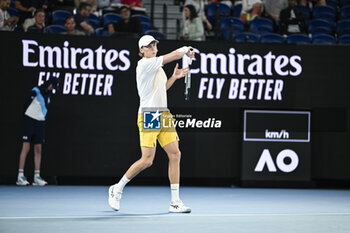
(114, 197)
(22, 181)
(179, 207)
(38, 181)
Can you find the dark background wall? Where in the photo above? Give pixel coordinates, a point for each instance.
(97, 136)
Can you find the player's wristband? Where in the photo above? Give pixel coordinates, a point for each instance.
(184, 49)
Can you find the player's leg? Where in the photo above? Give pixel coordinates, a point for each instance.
(23, 155)
(38, 181)
(115, 191)
(21, 179)
(38, 139)
(37, 156)
(174, 155)
(146, 160)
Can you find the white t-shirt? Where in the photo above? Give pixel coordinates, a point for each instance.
(151, 83)
(4, 15)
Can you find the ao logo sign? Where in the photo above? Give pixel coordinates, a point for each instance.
(266, 158)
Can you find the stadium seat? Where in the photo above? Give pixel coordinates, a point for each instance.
(323, 39)
(344, 39)
(343, 27)
(110, 18)
(298, 39)
(12, 11)
(94, 23)
(344, 3)
(318, 26)
(272, 38)
(143, 18)
(306, 12)
(59, 17)
(54, 29)
(261, 26)
(237, 10)
(345, 12)
(217, 9)
(93, 17)
(246, 37)
(101, 32)
(231, 24)
(324, 12)
(333, 3)
(146, 26)
(156, 34)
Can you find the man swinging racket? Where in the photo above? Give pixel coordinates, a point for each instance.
(152, 85)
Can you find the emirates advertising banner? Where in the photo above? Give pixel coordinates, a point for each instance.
(97, 100)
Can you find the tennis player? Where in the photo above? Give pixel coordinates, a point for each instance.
(152, 85)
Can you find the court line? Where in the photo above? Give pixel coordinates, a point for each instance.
(177, 215)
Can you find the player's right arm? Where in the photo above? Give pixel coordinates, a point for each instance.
(177, 54)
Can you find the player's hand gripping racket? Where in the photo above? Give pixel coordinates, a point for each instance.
(188, 79)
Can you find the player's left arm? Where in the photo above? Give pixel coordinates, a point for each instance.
(178, 73)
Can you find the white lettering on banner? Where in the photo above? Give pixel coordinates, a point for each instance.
(73, 58)
(266, 158)
(245, 64)
(92, 84)
(235, 63)
(67, 57)
(283, 134)
(252, 89)
(219, 85)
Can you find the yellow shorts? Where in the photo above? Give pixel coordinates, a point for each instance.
(166, 134)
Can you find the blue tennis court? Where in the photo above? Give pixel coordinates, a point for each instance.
(145, 209)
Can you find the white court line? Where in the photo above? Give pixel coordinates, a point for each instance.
(177, 215)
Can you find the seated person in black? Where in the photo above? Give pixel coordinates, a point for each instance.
(81, 19)
(26, 8)
(128, 26)
(39, 25)
(292, 19)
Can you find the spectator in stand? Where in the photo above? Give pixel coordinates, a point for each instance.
(199, 6)
(193, 26)
(60, 5)
(250, 9)
(93, 4)
(81, 19)
(70, 26)
(128, 26)
(39, 24)
(26, 8)
(312, 3)
(272, 8)
(103, 4)
(292, 19)
(7, 23)
(132, 3)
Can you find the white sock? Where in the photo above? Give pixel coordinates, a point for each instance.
(36, 173)
(121, 184)
(174, 192)
(20, 172)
